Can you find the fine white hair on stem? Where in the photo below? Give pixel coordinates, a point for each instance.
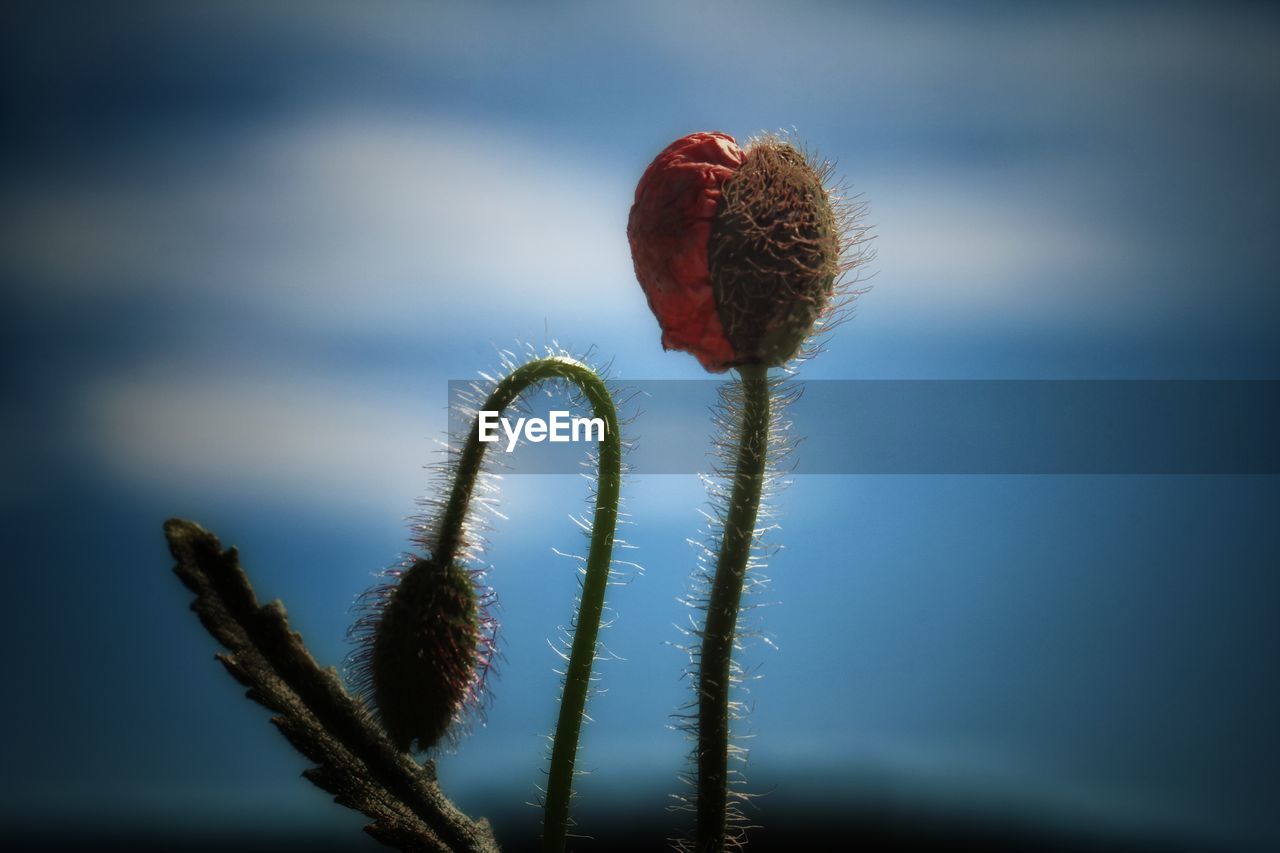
(448, 525)
(727, 421)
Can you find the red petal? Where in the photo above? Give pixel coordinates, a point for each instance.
(669, 229)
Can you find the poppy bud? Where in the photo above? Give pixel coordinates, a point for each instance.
(428, 647)
(738, 251)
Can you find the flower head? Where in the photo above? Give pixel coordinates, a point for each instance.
(738, 251)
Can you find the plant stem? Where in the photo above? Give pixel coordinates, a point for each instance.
(582, 655)
(715, 660)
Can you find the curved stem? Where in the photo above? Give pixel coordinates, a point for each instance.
(608, 486)
(715, 661)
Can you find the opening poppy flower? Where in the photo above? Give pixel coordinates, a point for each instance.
(738, 250)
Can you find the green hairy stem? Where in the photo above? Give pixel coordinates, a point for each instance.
(716, 658)
(599, 558)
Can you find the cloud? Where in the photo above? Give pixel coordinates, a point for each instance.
(1062, 66)
(353, 218)
(272, 438)
(987, 247)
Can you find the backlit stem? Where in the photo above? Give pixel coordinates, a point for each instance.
(608, 485)
(716, 659)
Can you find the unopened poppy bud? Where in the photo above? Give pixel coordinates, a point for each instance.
(427, 654)
(738, 251)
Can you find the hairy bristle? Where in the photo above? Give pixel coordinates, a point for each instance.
(392, 617)
(727, 427)
(426, 645)
(782, 244)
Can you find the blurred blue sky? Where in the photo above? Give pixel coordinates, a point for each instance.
(245, 246)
